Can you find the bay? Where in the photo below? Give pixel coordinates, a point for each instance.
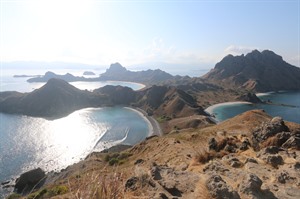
(285, 105)
(28, 142)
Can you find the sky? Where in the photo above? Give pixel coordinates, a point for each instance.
(185, 33)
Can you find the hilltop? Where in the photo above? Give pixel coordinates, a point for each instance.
(249, 156)
(257, 71)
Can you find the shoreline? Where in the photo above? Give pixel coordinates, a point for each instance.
(210, 110)
(153, 124)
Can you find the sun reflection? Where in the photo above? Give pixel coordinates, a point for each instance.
(70, 138)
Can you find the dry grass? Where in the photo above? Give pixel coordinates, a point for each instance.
(271, 141)
(203, 156)
(97, 185)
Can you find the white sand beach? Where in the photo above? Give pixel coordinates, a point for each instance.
(210, 109)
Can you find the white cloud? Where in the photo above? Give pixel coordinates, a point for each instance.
(238, 50)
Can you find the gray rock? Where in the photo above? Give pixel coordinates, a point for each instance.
(283, 177)
(269, 129)
(292, 142)
(218, 188)
(251, 160)
(274, 160)
(155, 173)
(131, 183)
(29, 180)
(212, 144)
(215, 167)
(250, 184)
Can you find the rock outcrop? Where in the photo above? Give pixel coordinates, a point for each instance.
(256, 71)
(30, 180)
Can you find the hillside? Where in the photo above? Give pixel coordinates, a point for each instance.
(55, 99)
(220, 161)
(257, 71)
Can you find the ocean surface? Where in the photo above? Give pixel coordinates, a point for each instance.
(285, 105)
(29, 142)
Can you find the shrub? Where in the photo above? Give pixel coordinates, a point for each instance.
(116, 158)
(113, 161)
(58, 190)
(203, 156)
(14, 196)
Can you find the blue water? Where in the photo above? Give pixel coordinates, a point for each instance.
(287, 113)
(28, 142)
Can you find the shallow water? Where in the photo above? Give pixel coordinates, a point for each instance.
(288, 113)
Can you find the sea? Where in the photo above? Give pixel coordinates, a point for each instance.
(285, 104)
(29, 142)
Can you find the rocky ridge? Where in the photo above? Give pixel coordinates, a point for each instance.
(257, 71)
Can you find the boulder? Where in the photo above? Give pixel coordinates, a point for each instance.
(274, 160)
(251, 184)
(269, 129)
(213, 144)
(131, 183)
(292, 142)
(30, 180)
(219, 189)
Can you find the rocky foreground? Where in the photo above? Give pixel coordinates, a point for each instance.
(249, 156)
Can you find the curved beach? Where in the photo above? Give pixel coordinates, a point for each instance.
(210, 109)
(153, 124)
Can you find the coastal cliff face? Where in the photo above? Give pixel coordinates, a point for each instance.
(257, 71)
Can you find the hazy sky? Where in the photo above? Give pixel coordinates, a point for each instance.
(133, 32)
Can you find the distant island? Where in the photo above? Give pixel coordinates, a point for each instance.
(116, 72)
(22, 76)
(88, 73)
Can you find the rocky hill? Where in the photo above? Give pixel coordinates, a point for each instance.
(249, 156)
(50, 75)
(257, 71)
(119, 73)
(55, 99)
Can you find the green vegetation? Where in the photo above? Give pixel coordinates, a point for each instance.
(163, 118)
(116, 158)
(14, 196)
(46, 193)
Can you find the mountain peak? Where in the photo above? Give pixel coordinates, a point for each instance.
(258, 71)
(116, 68)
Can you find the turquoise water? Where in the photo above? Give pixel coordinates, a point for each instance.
(286, 112)
(28, 142)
